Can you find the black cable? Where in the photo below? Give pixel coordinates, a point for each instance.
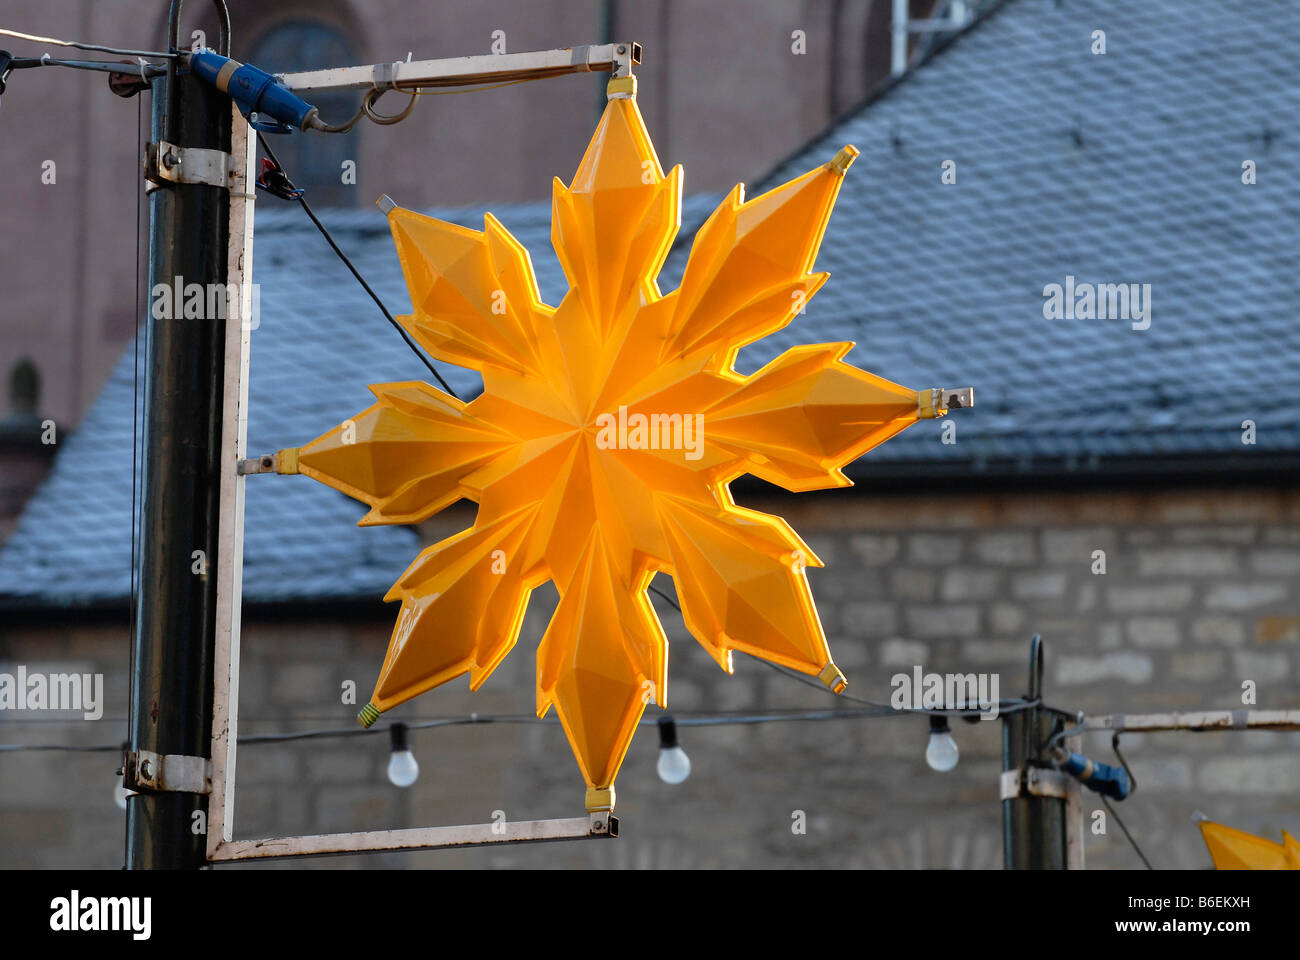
(145, 70)
(1133, 842)
(360, 279)
(1004, 706)
(98, 48)
(683, 719)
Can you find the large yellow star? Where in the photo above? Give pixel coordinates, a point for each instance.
(602, 446)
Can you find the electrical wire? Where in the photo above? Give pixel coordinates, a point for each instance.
(367, 108)
(743, 718)
(143, 67)
(360, 279)
(1004, 706)
(1131, 841)
(98, 48)
(421, 92)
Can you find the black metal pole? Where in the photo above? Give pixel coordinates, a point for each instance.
(1033, 827)
(171, 683)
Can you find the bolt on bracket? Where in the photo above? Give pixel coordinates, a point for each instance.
(146, 771)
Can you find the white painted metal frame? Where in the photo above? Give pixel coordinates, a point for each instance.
(1203, 721)
(230, 531)
(617, 58)
(221, 844)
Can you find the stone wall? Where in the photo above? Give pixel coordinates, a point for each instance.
(1199, 595)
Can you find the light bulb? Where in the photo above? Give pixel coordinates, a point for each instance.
(941, 753)
(402, 768)
(674, 765)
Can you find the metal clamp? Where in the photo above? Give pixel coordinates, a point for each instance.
(1035, 783)
(165, 161)
(602, 824)
(166, 773)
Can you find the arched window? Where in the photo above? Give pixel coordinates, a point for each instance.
(24, 390)
(314, 160)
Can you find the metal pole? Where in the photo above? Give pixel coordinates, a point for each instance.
(171, 684)
(1033, 822)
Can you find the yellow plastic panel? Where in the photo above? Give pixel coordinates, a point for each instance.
(601, 449)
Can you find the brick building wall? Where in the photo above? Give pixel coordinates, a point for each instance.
(1199, 594)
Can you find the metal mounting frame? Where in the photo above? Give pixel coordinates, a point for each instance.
(616, 58)
(221, 843)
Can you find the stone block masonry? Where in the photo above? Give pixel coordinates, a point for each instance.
(1197, 599)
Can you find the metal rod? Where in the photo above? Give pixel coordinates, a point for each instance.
(618, 58)
(420, 838)
(234, 443)
(1202, 721)
(171, 683)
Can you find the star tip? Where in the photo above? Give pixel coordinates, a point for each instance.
(600, 799)
(844, 159)
(621, 88)
(386, 204)
(833, 679)
(368, 715)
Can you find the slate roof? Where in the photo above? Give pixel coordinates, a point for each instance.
(1117, 168)
(1113, 169)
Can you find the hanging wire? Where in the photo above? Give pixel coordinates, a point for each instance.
(1004, 706)
(742, 718)
(1132, 842)
(422, 92)
(360, 279)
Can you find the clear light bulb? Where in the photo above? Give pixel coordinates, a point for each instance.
(674, 765)
(402, 768)
(941, 753)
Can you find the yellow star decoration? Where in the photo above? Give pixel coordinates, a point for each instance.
(1233, 849)
(602, 446)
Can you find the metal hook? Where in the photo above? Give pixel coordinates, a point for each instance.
(6, 59)
(1114, 745)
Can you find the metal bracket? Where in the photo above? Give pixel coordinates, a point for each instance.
(957, 399)
(145, 770)
(1036, 783)
(166, 162)
(262, 464)
(938, 401)
(603, 824)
